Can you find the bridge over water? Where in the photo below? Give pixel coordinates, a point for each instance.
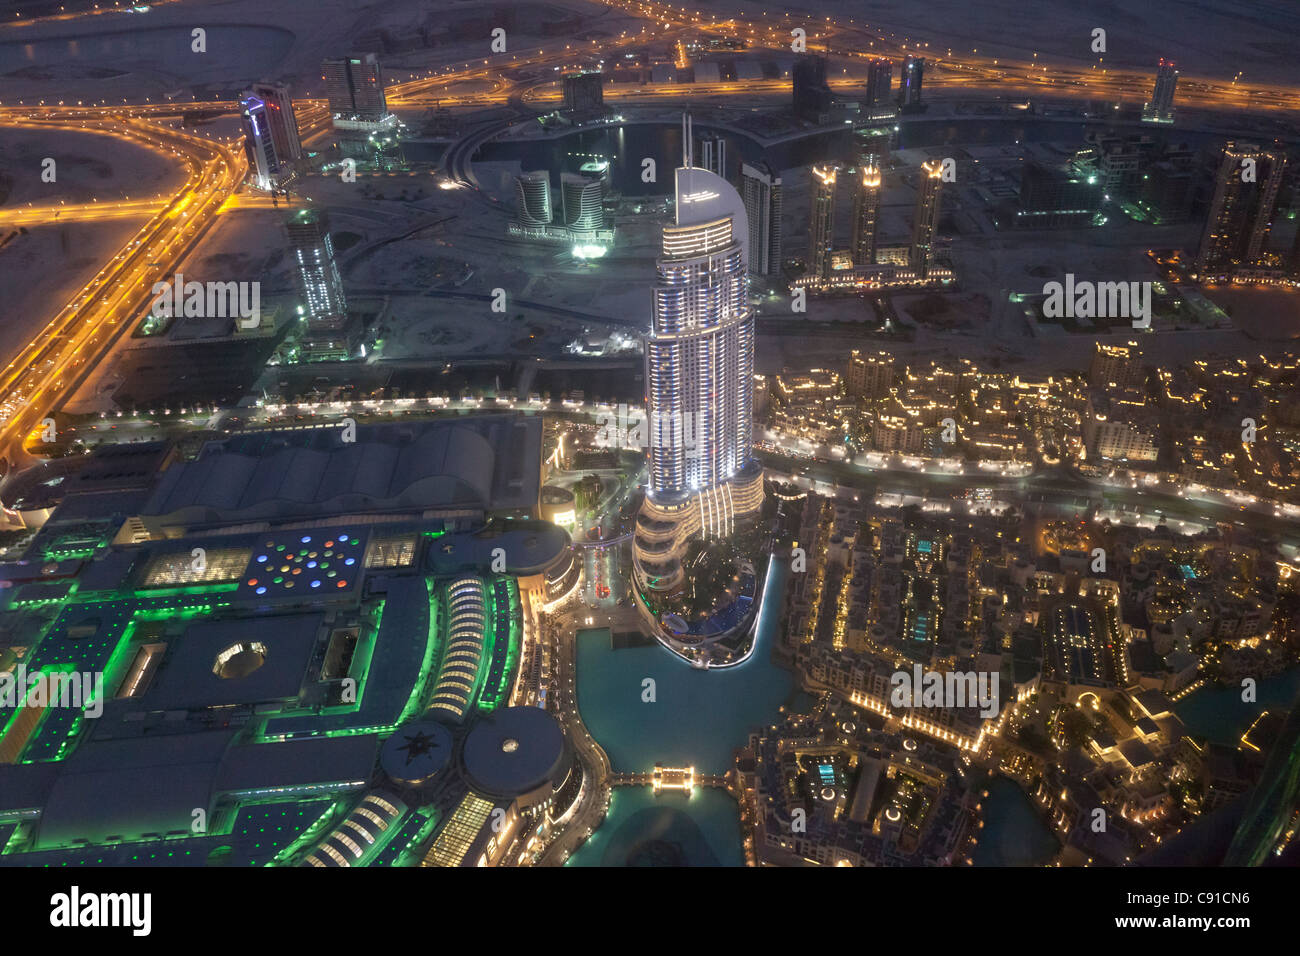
(661, 778)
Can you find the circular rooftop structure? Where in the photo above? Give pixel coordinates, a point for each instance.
(239, 660)
(514, 751)
(416, 752)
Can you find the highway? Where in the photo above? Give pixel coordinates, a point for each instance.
(56, 361)
(49, 369)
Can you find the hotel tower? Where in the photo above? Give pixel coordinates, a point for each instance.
(699, 379)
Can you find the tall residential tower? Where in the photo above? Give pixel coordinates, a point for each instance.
(925, 220)
(1161, 107)
(866, 216)
(761, 191)
(324, 307)
(821, 221)
(1246, 187)
(909, 84)
(354, 86)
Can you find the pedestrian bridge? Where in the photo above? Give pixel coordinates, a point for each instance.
(661, 778)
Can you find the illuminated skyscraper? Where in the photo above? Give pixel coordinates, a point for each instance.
(533, 191)
(872, 145)
(699, 379)
(1274, 161)
(1161, 107)
(909, 84)
(583, 205)
(325, 308)
(1241, 213)
(283, 122)
(263, 162)
(354, 86)
(821, 222)
(880, 78)
(761, 190)
(866, 215)
(926, 219)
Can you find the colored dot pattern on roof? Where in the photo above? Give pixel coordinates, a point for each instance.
(296, 561)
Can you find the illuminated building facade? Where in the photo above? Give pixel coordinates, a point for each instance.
(533, 191)
(354, 86)
(1160, 109)
(909, 84)
(869, 376)
(821, 221)
(762, 196)
(281, 118)
(1117, 366)
(264, 166)
(411, 611)
(866, 216)
(880, 78)
(1240, 218)
(699, 379)
(325, 308)
(583, 201)
(926, 219)
(582, 196)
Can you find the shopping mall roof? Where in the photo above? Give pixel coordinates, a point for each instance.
(513, 751)
(527, 547)
(483, 463)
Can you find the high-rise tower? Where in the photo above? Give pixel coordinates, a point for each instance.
(812, 94)
(821, 221)
(926, 218)
(264, 164)
(1241, 212)
(533, 191)
(283, 123)
(324, 307)
(354, 86)
(699, 362)
(866, 216)
(583, 198)
(1161, 107)
(1265, 205)
(761, 191)
(880, 78)
(584, 92)
(909, 84)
